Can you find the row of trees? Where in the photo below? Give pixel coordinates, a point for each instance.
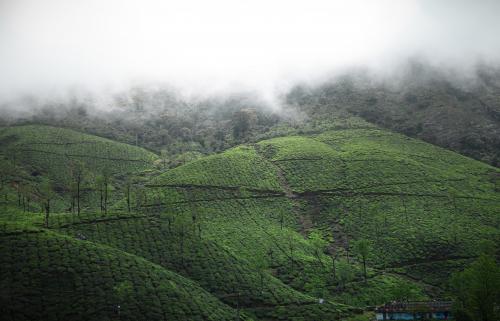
(81, 180)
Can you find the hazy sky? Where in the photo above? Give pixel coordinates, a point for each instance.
(48, 45)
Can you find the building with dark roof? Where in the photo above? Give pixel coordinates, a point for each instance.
(415, 310)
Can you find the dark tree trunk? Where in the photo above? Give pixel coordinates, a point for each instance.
(333, 268)
(100, 192)
(364, 268)
(347, 250)
(47, 212)
(78, 196)
(128, 198)
(106, 199)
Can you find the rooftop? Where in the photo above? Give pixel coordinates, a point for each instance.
(415, 306)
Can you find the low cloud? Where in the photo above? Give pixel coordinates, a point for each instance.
(54, 46)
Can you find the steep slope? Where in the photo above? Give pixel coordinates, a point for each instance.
(423, 209)
(45, 148)
(242, 167)
(48, 276)
(159, 234)
(271, 228)
(33, 153)
(172, 241)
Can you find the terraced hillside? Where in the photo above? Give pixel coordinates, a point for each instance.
(43, 147)
(263, 231)
(424, 210)
(153, 237)
(30, 154)
(48, 276)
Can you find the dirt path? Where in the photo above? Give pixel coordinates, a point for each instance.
(303, 217)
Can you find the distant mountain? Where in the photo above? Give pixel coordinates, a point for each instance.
(455, 110)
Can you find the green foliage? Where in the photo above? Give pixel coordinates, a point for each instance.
(48, 149)
(403, 291)
(252, 226)
(477, 290)
(363, 248)
(67, 279)
(70, 159)
(240, 166)
(345, 272)
(123, 290)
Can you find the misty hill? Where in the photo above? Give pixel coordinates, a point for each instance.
(452, 109)
(267, 227)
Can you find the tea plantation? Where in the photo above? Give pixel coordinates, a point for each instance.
(268, 231)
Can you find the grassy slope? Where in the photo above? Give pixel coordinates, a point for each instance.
(157, 239)
(424, 209)
(227, 219)
(238, 167)
(32, 153)
(48, 276)
(174, 242)
(348, 184)
(47, 149)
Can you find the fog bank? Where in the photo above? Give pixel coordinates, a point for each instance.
(212, 47)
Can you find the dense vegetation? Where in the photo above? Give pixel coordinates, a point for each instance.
(477, 290)
(319, 223)
(452, 109)
(47, 276)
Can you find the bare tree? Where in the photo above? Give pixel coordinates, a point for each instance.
(363, 248)
(99, 182)
(47, 194)
(77, 171)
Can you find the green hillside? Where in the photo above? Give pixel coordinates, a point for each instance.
(454, 112)
(48, 276)
(240, 167)
(270, 230)
(173, 242)
(424, 210)
(31, 154)
(47, 149)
